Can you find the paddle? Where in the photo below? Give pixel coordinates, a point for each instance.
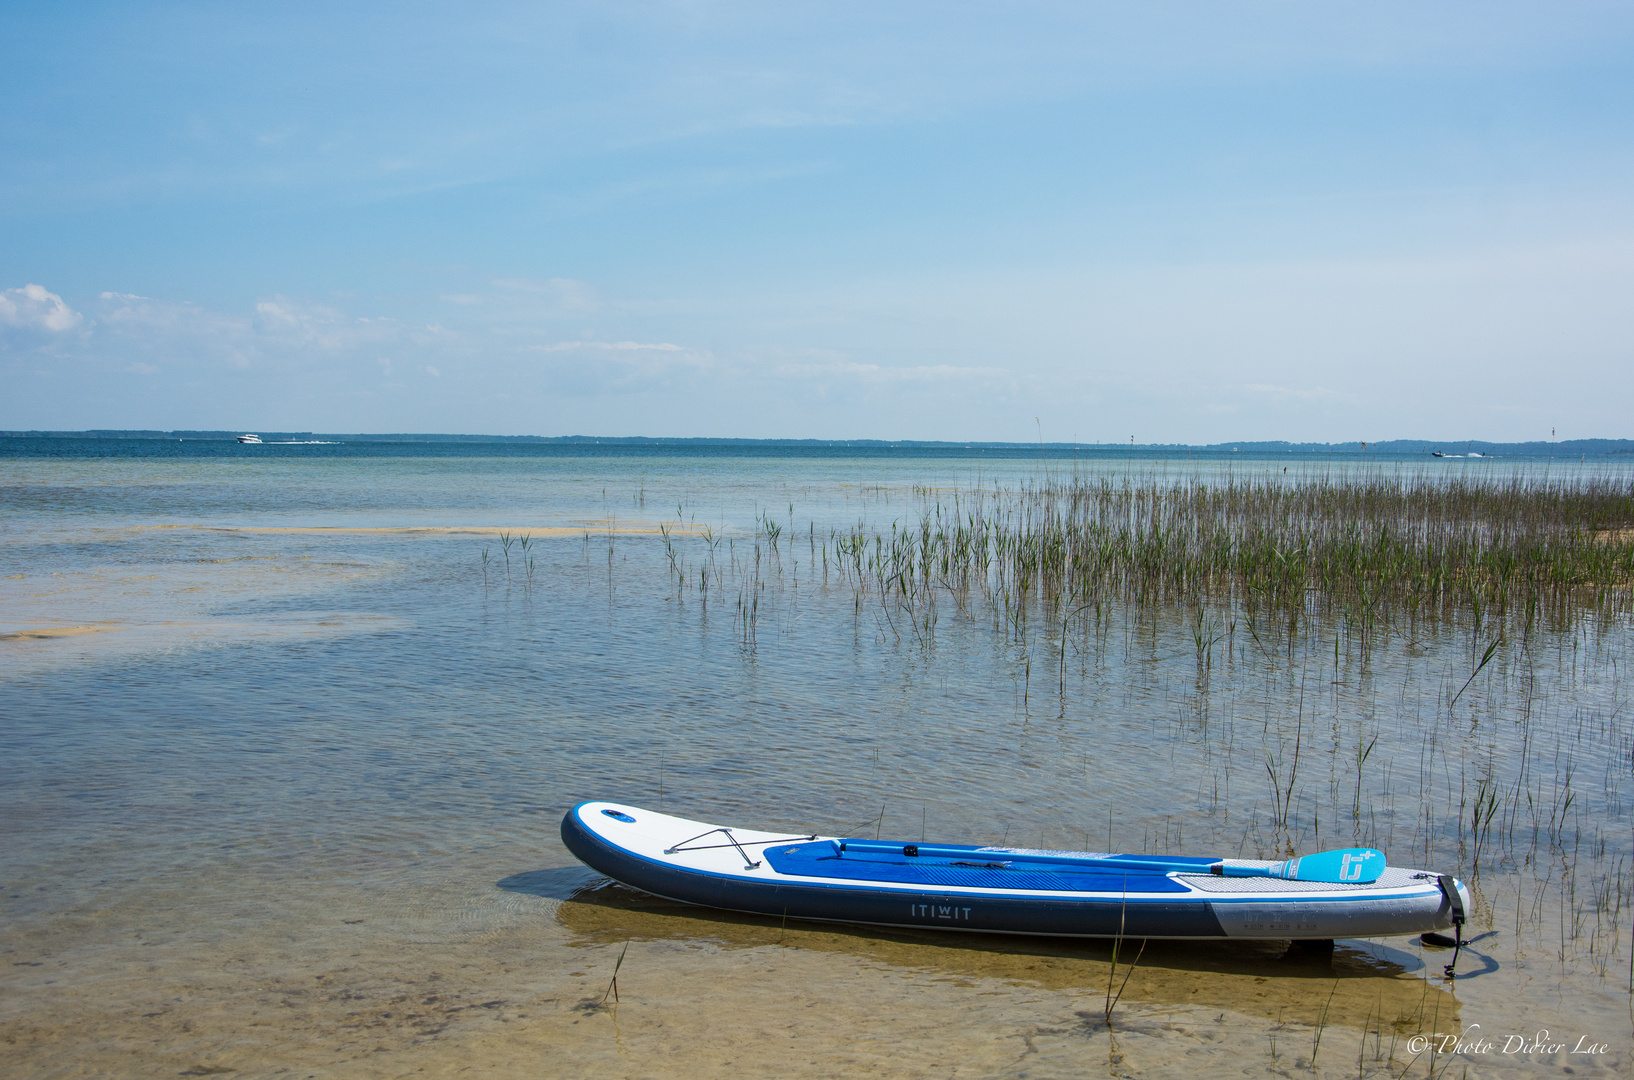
(1350, 866)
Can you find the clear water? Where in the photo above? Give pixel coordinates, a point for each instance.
(283, 779)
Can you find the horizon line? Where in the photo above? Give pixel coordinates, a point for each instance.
(1600, 445)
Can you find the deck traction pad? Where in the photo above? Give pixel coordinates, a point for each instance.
(819, 860)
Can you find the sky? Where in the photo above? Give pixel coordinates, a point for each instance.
(1181, 222)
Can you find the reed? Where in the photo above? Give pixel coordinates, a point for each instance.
(505, 542)
(525, 541)
(612, 985)
(1321, 1024)
(1378, 552)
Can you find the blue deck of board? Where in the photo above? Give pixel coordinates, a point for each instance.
(820, 859)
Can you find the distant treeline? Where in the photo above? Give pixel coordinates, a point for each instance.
(1564, 448)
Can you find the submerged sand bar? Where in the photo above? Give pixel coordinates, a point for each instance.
(599, 528)
(46, 633)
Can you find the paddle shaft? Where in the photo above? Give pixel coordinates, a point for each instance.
(1356, 866)
(963, 854)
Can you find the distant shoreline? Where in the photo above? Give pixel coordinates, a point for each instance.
(1563, 448)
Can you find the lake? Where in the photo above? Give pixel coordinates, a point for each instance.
(289, 732)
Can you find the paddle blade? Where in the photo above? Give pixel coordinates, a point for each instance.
(1349, 866)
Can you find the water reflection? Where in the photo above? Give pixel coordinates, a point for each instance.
(1357, 985)
(554, 883)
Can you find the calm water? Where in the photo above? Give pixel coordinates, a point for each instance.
(283, 779)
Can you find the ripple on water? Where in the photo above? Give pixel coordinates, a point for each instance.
(282, 840)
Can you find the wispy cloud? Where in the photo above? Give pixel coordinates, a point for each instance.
(883, 373)
(1313, 393)
(611, 346)
(32, 307)
(278, 333)
(563, 292)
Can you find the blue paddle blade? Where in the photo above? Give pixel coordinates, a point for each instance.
(1349, 866)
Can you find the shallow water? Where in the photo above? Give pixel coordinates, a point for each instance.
(291, 803)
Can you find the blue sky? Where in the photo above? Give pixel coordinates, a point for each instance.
(1181, 222)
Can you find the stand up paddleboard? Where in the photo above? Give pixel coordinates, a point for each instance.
(1342, 894)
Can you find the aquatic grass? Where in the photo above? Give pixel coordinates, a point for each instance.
(1375, 550)
(1112, 999)
(612, 985)
(1485, 659)
(1205, 634)
(525, 541)
(1322, 1023)
(772, 530)
(505, 542)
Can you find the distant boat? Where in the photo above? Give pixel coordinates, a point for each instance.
(250, 439)
(1433, 453)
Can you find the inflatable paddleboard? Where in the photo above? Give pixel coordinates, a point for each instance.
(1009, 890)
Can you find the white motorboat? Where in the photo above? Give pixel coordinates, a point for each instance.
(249, 439)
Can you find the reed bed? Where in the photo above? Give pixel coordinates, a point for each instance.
(1373, 547)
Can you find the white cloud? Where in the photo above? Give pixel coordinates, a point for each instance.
(126, 312)
(32, 307)
(878, 373)
(282, 322)
(614, 346)
(275, 314)
(568, 294)
(1183, 352)
(279, 334)
(1315, 393)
